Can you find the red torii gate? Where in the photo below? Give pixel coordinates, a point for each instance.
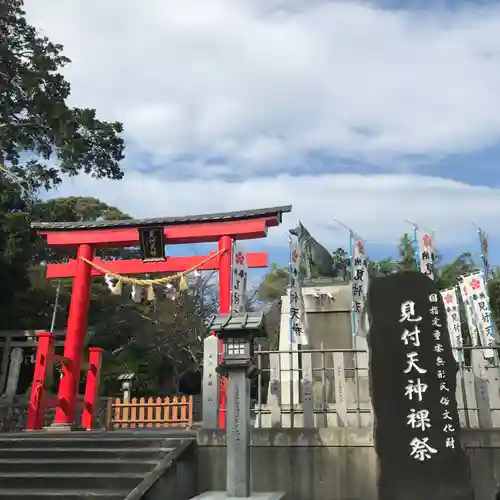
(223, 228)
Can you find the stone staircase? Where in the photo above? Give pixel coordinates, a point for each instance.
(84, 465)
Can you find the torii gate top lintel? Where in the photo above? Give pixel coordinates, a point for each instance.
(241, 225)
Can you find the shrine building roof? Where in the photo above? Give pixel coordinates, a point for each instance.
(166, 221)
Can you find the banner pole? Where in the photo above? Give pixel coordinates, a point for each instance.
(483, 244)
(290, 278)
(415, 245)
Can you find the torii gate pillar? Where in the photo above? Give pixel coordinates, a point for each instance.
(225, 261)
(75, 339)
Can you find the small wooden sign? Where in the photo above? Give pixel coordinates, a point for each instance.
(152, 242)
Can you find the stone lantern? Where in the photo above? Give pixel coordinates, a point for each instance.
(238, 331)
(126, 380)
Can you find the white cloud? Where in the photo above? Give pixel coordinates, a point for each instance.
(373, 206)
(262, 84)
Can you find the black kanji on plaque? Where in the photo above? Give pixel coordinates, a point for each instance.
(152, 241)
(359, 274)
(413, 383)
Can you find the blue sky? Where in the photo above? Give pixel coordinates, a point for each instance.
(368, 112)
(430, 4)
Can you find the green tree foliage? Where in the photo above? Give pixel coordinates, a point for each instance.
(341, 263)
(449, 273)
(76, 209)
(42, 138)
(35, 120)
(494, 293)
(383, 267)
(26, 297)
(160, 342)
(16, 242)
(406, 254)
(274, 284)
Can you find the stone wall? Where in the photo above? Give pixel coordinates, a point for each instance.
(14, 416)
(171, 478)
(333, 464)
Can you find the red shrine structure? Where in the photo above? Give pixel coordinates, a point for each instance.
(223, 228)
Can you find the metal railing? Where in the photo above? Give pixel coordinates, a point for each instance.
(330, 388)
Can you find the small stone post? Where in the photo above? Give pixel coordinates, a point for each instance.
(4, 364)
(238, 434)
(210, 382)
(16, 360)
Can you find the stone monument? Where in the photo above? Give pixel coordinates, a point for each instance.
(323, 383)
(238, 331)
(413, 384)
(328, 304)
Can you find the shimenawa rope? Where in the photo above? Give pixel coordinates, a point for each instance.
(181, 276)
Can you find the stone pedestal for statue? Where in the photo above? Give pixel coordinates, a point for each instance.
(328, 307)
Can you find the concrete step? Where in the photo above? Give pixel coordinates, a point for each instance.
(76, 465)
(85, 453)
(33, 494)
(80, 442)
(81, 481)
(143, 433)
(80, 465)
